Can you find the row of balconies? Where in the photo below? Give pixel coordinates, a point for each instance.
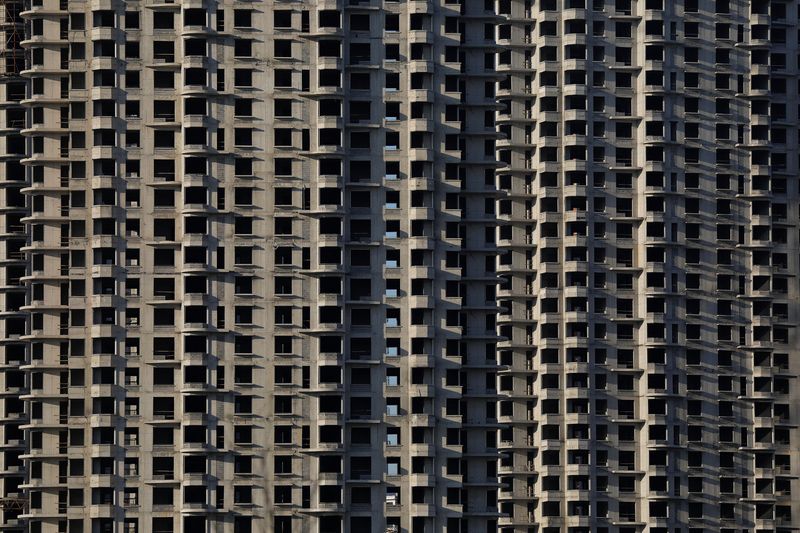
(197, 83)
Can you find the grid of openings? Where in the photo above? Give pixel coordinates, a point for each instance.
(368, 265)
(648, 237)
(252, 229)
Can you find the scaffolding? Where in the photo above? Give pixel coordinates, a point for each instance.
(12, 55)
(13, 504)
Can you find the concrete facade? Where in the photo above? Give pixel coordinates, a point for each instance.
(250, 229)
(516, 266)
(650, 247)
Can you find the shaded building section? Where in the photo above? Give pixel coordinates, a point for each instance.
(649, 252)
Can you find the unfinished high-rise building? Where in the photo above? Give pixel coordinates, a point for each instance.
(460, 266)
(649, 261)
(255, 287)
